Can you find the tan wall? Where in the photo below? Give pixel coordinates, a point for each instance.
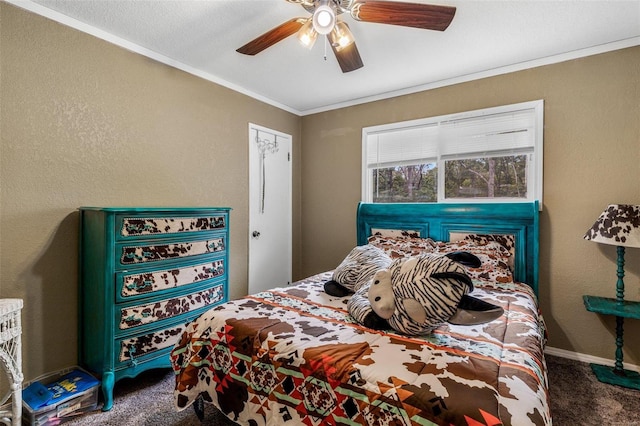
(591, 159)
(84, 122)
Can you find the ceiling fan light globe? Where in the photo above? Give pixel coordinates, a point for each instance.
(308, 40)
(307, 35)
(324, 19)
(341, 36)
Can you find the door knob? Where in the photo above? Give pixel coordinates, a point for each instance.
(256, 234)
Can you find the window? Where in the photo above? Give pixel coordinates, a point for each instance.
(493, 154)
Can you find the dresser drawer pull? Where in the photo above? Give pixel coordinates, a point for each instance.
(216, 245)
(134, 257)
(133, 321)
(132, 351)
(140, 286)
(137, 229)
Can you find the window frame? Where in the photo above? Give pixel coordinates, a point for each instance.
(534, 166)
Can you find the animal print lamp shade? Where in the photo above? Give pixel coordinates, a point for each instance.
(618, 225)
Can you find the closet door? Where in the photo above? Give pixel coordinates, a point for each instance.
(270, 230)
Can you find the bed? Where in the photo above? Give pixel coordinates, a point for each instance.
(294, 355)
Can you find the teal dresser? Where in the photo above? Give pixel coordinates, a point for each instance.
(145, 273)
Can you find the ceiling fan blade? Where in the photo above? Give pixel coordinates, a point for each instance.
(348, 57)
(425, 16)
(272, 36)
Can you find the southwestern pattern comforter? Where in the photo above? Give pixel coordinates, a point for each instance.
(294, 356)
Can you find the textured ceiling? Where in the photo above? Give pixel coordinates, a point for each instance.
(485, 38)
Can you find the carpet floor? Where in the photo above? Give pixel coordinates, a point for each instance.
(576, 396)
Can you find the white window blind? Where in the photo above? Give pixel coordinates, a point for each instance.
(402, 147)
(505, 132)
(508, 130)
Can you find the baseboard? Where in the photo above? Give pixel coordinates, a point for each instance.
(576, 356)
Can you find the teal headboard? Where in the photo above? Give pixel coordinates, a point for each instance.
(437, 221)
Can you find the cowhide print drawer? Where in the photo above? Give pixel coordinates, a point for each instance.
(131, 317)
(147, 345)
(145, 227)
(130, 285)
(130, 255)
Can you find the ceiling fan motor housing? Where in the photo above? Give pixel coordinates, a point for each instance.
(340, 6)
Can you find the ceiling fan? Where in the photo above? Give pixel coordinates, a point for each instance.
(324, 21)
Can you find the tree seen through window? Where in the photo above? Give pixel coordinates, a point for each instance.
(406, 184)
(487, 177)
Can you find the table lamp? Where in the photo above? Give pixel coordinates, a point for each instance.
(618, 225)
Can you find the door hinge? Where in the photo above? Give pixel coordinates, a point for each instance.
(288, 156)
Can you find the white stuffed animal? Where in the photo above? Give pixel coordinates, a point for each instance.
(414, 295)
